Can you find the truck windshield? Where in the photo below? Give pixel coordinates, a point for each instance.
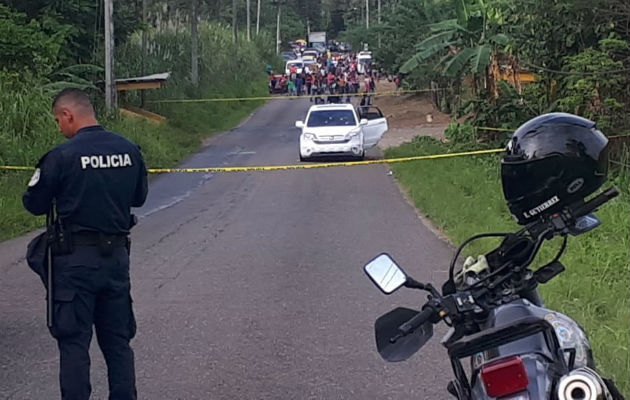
(331, 118)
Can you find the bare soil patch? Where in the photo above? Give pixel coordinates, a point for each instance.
(408, 116)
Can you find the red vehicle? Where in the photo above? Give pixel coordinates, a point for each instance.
(277, 84)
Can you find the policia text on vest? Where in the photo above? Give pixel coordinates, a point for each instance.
(106, 161)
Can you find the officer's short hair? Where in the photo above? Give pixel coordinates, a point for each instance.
(74, 98)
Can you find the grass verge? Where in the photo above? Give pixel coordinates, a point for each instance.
(463, 196)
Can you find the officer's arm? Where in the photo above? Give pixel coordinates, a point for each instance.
(43, 184)
(142, 186)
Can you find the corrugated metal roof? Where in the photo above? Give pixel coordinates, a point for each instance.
(149, 78)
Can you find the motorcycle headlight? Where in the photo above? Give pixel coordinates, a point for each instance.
(309, 136)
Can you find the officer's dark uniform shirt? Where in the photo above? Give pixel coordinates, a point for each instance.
(95, 177)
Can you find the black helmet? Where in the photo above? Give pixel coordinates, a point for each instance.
(552, 161)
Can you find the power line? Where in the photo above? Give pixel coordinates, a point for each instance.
(618, 71)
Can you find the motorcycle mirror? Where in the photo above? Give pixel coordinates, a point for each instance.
(584, 224)
(385, 273)
(386, 328)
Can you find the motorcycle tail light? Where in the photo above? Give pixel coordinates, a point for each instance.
(504, 377)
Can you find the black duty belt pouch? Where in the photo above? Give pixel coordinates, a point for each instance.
(66, 322)
(106, 245)
(36, 255)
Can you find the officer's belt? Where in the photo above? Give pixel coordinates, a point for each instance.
(89, 238)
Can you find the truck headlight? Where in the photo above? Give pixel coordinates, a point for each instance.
(353, 134)
(309, 136)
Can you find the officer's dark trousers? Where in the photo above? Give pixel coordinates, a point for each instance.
(93, 290)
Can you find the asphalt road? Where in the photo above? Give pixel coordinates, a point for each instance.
(250, 285)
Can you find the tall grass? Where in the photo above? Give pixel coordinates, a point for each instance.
(225, 70)
(28, 130)
(463, 196)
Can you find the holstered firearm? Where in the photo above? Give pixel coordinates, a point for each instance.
(59, 243)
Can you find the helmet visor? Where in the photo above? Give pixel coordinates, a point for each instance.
(523, 178)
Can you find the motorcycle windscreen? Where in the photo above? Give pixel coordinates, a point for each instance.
(401, 349)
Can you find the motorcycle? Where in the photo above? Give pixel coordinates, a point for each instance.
(518, 349)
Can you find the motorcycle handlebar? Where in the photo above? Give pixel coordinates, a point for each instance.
(417, 321)
(595, 202)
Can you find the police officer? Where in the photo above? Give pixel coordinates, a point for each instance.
(92, 179)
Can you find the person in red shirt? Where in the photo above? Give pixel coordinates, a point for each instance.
(281, 85)
(293, 72)
(341, 83)
(331, 79)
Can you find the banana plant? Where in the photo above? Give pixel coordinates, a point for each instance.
(79, 76)
(465, 43)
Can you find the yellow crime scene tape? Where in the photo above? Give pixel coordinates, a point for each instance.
(281, 97)
(487, 128)
(309, 166)
(295, 166)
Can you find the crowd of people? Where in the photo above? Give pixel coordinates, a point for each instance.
(330, 79)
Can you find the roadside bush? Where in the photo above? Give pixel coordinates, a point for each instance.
(461, 134)
(507, 111)
(26, 126)
(592, 91)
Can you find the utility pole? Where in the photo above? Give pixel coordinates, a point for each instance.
(258, 19)
(249, 36)
(367, 14)
(278, 30)
(308, 28)
(110, 82)
(194, 44)
(144, 49)
(234, 27)
(378, 6)
(278, 3)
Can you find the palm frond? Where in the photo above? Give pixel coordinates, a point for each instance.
(459, 61)
(432, 40)
(481, 58)
(500, 39)
(58, 86)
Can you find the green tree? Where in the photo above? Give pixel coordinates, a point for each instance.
(82, 21)
(465, 43)
(547, 31)
(29, 44)
(593, 89)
